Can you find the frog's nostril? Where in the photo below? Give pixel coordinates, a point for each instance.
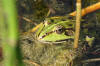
(40, 37)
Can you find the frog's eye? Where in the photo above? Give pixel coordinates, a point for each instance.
(59, 29)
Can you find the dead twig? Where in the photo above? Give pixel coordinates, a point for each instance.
(31, 62)
(87, 10)
(28, 20)
(91, 60)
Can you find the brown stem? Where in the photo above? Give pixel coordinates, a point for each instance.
(77, 26)
(87, 10)
(91, 60)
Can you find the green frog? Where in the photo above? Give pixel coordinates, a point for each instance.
(54, 44)
(56, 30)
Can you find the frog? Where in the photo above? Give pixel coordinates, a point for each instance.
(56, 30)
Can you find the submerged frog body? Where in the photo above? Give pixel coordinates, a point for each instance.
(54, 44)
(44, 54)
(57, 34)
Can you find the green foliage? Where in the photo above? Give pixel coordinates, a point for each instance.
(9, 33)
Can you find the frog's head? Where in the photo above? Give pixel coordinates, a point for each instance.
(56, 30)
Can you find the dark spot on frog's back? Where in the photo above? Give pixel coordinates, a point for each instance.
(69, 24)
(63, 19)
(51, 20)
(70, 17)
(69, 33)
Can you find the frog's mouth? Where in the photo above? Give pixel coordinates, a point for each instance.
(56, 42)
